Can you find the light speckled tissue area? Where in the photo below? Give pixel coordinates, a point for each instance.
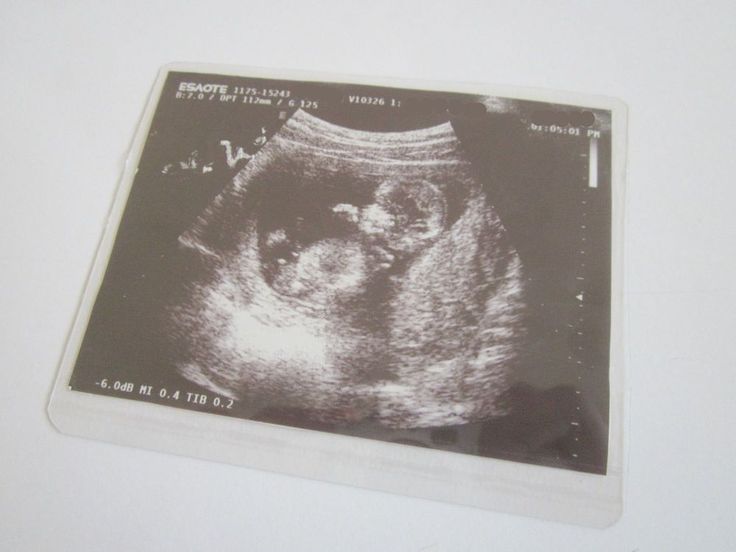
(349, 276)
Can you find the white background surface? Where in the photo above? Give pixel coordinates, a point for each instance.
(74, 80)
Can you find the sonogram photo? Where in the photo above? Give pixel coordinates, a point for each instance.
(354, 275)
(425, 268)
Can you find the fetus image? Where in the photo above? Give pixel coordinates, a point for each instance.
(350, 276)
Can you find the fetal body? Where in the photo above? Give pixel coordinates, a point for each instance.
(351, 276)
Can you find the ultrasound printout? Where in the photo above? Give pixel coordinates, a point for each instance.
(418, 267)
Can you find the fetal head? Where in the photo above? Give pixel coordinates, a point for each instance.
(406, 215)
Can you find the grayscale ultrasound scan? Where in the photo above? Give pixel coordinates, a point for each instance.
(426, 268)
